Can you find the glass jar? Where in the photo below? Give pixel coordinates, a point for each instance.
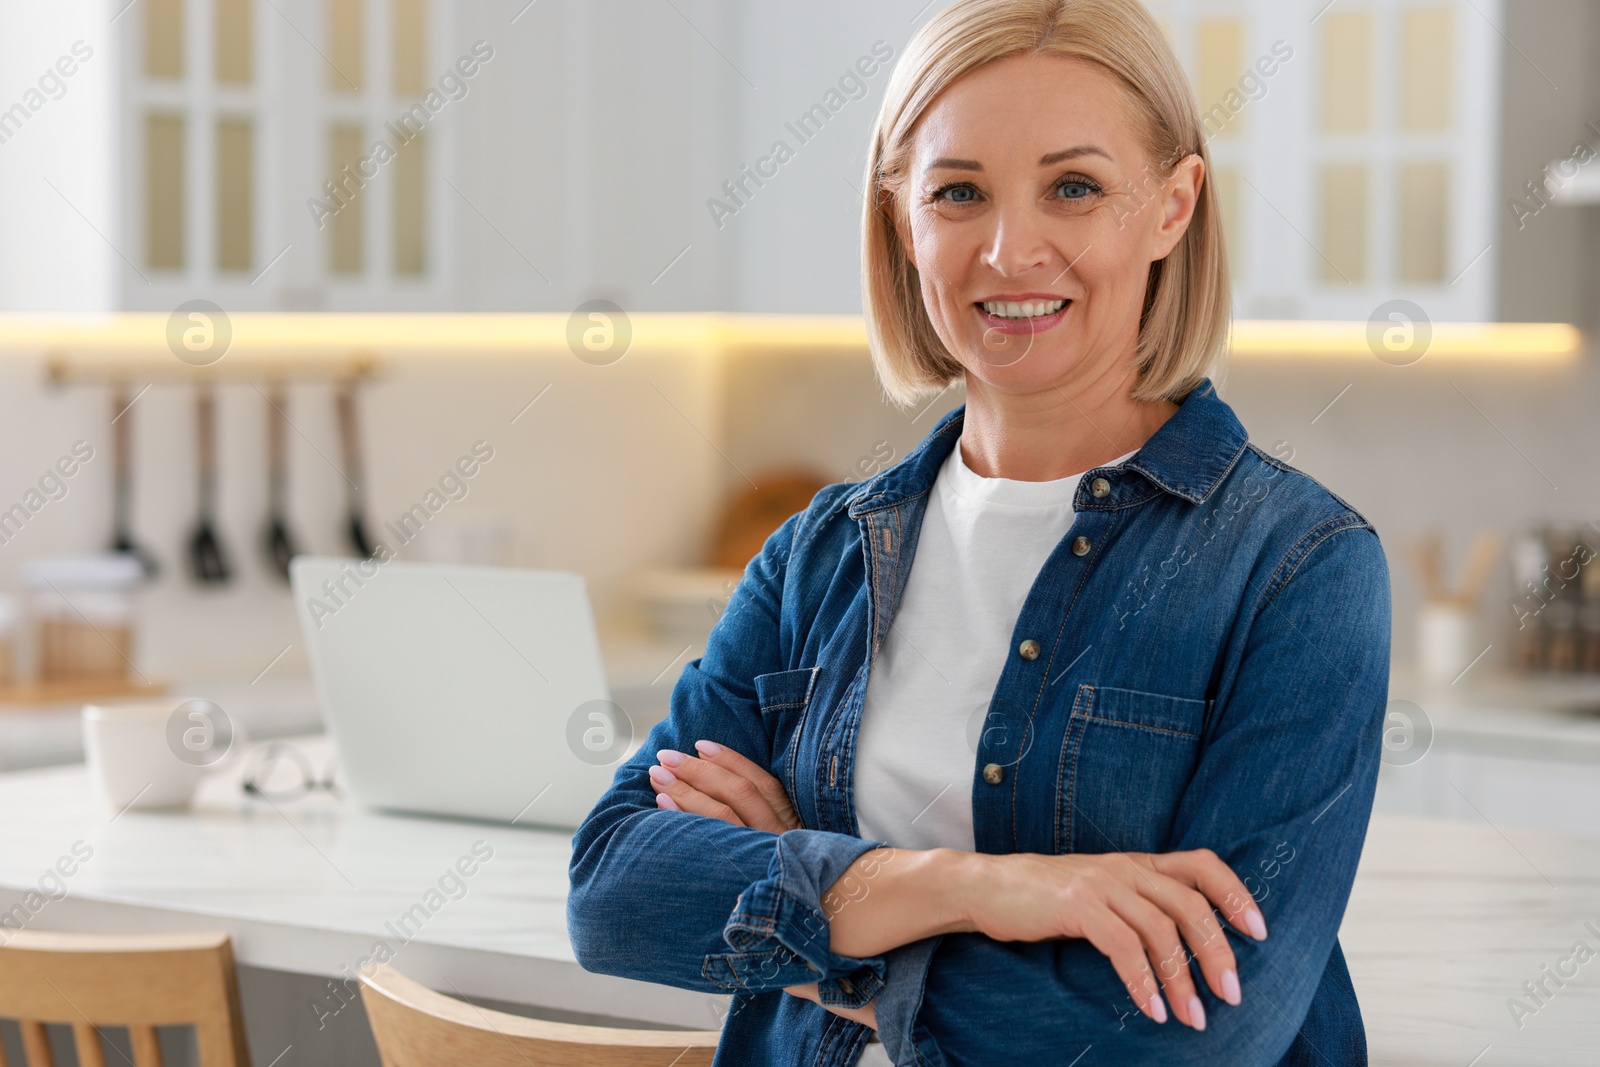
(10, 625)
(83, 613)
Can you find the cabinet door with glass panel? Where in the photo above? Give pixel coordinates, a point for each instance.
(1354, 147)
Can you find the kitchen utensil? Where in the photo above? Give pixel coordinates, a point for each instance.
(279, 541)
(1428, 554)
(122, 474)
(354, 477)
(207, 557)
(1485, 551)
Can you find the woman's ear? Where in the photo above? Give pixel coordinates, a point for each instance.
(901, 222)
(1180, 195)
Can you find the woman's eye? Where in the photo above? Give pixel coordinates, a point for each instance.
(1075, 190)
(958, 194)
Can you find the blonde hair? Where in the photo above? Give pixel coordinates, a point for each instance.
(1184, 323)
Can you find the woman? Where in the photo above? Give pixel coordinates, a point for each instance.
(1024, 746)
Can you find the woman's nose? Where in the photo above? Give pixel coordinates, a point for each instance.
(1017, 245)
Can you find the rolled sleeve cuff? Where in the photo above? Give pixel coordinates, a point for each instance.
(898, 1003)
(778, 929)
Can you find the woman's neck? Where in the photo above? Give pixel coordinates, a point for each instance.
(1057, 432)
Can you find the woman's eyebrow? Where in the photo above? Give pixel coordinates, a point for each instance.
(947, 163)
(1073, 153)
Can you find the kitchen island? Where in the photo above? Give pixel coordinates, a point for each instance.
(1448, 921)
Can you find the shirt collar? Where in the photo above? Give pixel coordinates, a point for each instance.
(1188, 456)
(1196, 448)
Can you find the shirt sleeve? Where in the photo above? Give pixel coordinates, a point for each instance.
(693, 902)
(1282, 793)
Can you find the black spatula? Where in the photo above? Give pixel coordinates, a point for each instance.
(122, 473)
(354, 476)
(207, 557)
(279, 541)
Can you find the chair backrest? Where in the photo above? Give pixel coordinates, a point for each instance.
(416, 1027)
(92, 982)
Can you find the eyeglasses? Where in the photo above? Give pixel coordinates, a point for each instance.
(280, 772)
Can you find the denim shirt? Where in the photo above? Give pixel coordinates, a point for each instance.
(1202, 662)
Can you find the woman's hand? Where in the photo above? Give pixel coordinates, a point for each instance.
(1138, 909)
(866, 1016)
(724, 785)
(1149, 914)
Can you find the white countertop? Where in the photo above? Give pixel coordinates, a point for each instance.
(1507, 714)
(1447, 921)
(307, 886)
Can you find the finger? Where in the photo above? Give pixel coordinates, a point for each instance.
(719, 783)
(1159, 934)
(1203, 870)
(866, 1014)
(1120, 944)
(687, 798)
(765, 782)
(1200, 928)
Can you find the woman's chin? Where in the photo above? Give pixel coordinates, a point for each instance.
(1037, 368)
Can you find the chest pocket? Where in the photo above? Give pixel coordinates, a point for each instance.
(784, 697)
(1126, 760)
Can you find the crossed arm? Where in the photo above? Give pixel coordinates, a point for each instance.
(728, 886)
(1140, 910)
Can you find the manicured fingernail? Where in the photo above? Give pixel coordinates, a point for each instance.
(1230, 987)
(1158, 1010)
(1257, 925)
(671, 757)
(661, 776)
(707, 748)
(664, 801)
(1197, 1014)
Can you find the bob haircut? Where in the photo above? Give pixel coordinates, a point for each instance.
(1183, 326)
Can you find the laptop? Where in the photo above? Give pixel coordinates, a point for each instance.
(475, 692)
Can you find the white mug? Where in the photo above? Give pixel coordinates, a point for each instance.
(152, 755)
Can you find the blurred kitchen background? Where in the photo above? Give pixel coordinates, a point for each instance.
(1384, 166)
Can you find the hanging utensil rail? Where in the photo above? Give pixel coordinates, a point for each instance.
(62, 367)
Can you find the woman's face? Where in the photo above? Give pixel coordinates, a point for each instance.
(1034, 218)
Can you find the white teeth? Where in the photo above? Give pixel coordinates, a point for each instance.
(1030, 309)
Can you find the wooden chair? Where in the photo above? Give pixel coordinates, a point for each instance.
(91, 982)
(416, 1027)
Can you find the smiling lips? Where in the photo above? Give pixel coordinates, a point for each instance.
(1024, 314)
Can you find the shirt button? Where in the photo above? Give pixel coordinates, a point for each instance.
(993, 773)
(1029, 649)
(1081, 546)
(1099, 487)
(846, 988)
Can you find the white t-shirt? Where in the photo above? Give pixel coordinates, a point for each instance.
(982, 544)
